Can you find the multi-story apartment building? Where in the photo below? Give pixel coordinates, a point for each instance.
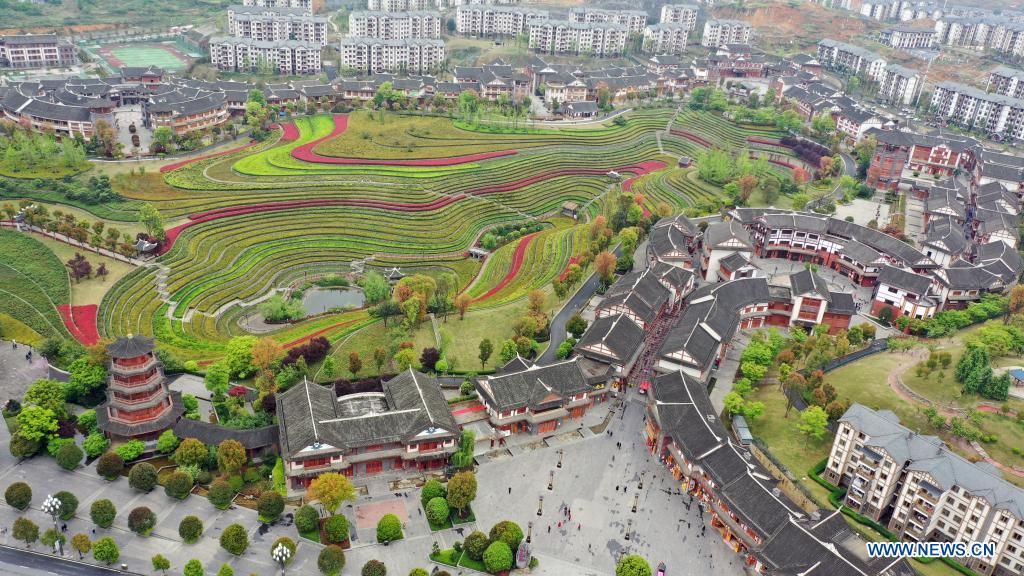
(633, 20)
(401, 5)
(880, 9)
(561, 37)
(899, 84)
(962, 31)
(1006, 81)
(306, 5)
(907, 37)
(272, 23)
(480, 20)
(679, 14)
(666, 38)
(36, 51)
(719, 32)
(1007, 38)
(292, 57)
(406, 426)
(372, 55)
(973, 108)
(925, 492)
(394, 25)
(850, 59)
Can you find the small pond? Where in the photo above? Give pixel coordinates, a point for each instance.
(319, 300)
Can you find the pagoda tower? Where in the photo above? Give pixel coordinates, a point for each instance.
(139, 404)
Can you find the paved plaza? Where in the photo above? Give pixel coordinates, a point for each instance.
(17, 372)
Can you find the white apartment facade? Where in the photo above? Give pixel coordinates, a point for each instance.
(907, 38)
(306, 5)
(274, 23)
(394, 25)
(292, 57)
(899, 84)
(679, 13)
(721, 31)
(373, 55)
(481, 20)
(400, 5)
(560, 37)
(1007, 81)
(851, 59)
(973, 108)
(633, 20)
(666, 38)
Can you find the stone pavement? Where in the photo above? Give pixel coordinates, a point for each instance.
(16, 373)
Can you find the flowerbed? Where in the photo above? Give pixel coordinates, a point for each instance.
(81, 322)
(517, 263)
(176, 165)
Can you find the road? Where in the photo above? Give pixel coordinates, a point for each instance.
(25, 563)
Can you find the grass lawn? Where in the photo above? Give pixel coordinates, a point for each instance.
(448, 557)
(456, 519)
(313, 535)
(435, 527)
(467, 562)
(91, 290)
(11, 328)
(865, 381)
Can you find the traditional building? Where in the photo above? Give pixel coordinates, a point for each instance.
(139, 405)
(537, 399)
(407, 428)
(720, 240)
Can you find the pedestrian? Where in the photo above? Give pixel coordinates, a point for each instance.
(616, 487)
(559, 523)
(509, 489)
(420, 510)
(579, 527)
(549, 528)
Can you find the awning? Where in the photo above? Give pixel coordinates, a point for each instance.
(645, 385)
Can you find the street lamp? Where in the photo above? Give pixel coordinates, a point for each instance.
(529, 531)
(560, 452)
(642, 474)
(281, 554)
(540, 506)
(52, 507)
(551, 480)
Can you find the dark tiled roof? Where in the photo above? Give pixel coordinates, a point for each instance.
(904, 279)
(214, 434)
(130, 347)
(620, 335)
(531, 387)
(118, 428)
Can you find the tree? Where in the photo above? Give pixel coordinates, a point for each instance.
(508, 532)
(78, 267)
(498, 557)
(437, 511)
(405, 358)
(375, 287)
(234, 539)
(81, 544)
(51, 537)
(150, 218)
(142, 476)
(462, 491)
(110, 466)
(306, 519)
(68, 504)
(813, 422)
(429, 358)
(462, 304)
(486, 349)
(270, 506)
(238, 356)
(21, 447)
(380, 356)
(747, 184)
(18, 495)
(220, 494)
(605, 263)
(191, 452)
(162, 138)
(576, 326)
(105, 550)
(179, 485)
(374, 568)
(102, 513)
(432, 489)
(331, 489)
(141, 520)
(475, 545)
(36, 423)
(389, 528)
(355, 364)
(632, 565)
(217, 378)
(226, 570)
(508, 351)
(194, 568)
(230, 456)
(48, 394)
(25, 530)
(336, 529)
(331, 560)
(1015, 303)
(190, 529)
(167, 442)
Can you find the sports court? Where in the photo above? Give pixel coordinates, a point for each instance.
(166, 56)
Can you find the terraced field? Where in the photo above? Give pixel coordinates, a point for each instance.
(414, 192)
(33, 284)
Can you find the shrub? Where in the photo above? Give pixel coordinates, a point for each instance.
(632, 565)
(167, 442)
(102, 513)
(226, 570)
(86, 422)
(271, 505)
(55, 444)
(190, 529)
(437, 510)
(287, 543)
(179, 485)
(331, 560)
(336, 528)
(22, 447)
(204, 478)
(234, 539)
(110, 466)
(191, 452)
(498, 557)
(508, 532)
(220, 494)
(68, 504)
(142, 476)
(194, 568)
(25, 530)
(18, 495)
(141, 520)
(236, 482)
(418, 572)
(475, 545)
(306, 519)
(69, 456)
(95, 444)
(105, 550)
(432, 489)
(130, 450)
(389, 528)
(374, 568)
